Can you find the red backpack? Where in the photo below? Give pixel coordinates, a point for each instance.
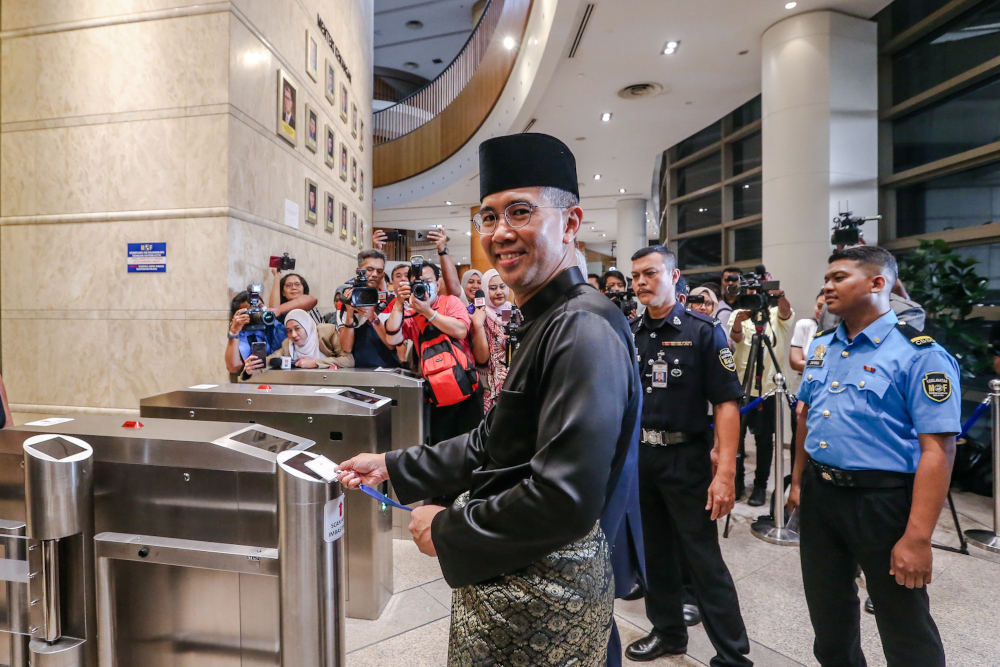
(448, 368)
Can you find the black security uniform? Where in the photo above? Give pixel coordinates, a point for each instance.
(686, 364)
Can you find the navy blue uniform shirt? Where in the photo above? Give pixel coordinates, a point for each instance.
(869, 398)
(699, 369)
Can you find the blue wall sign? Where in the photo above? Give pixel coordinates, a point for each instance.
(147, 257)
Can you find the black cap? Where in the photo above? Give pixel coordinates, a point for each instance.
(525, 161)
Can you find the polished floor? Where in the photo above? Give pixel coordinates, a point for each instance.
(413, 630)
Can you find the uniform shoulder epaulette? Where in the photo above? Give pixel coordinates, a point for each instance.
(824, 332)
(914, 335)
(701, 316)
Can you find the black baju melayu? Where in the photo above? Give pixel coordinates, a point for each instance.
(526, 550)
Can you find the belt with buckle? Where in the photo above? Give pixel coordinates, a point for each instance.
(863, 479)
(665, 438)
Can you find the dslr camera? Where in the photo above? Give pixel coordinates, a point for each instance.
(260, 318)
(283, 263)
(752, 291)
(421, 289)
(363, 296)
(846, 230)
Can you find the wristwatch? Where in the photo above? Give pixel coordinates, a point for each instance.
(442, 253)
(232, 336)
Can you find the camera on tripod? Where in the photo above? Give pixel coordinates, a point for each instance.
(752, 291)
(846, 230)
(363, 296)
(260, 318)
(421, 289)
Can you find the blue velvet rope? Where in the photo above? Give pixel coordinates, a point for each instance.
(973, 419)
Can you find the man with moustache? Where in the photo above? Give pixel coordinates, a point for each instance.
(550, 469)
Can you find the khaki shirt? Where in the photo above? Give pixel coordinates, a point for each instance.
(778, 330)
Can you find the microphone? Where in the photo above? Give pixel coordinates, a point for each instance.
(480, 299)
(275, 364)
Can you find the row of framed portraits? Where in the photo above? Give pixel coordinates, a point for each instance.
(288, 130)
(331, 219)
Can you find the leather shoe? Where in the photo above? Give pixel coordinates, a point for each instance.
(636, 593)
(692, 615)
(757, 496)
(651, 647)
(869, 605)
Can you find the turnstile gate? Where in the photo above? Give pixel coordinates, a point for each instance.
(343, 422)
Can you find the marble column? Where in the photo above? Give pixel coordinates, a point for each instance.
(631, 232)
(122, 126)
(820, 142)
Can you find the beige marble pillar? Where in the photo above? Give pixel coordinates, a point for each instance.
(156, 122)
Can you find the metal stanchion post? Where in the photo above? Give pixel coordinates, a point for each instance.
(990, 539)
(774, 531)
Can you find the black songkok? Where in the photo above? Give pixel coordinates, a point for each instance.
(525, 161)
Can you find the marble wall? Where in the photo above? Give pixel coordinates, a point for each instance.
(125, 121)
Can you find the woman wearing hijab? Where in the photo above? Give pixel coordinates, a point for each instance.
(312, 345)
(489, 342)
(472, 280)
(707, 304)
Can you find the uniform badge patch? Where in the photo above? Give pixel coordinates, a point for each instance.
(922, 340)
(726, 357)
(677, 321)
(819, 352)
(937, 386)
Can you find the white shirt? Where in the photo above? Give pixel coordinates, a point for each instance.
(801, 337)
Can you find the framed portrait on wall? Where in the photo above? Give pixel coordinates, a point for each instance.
(343, 220)
(330, 152)
(354, 174)
(354, 120)
(312, 57)
(287, 99)
(331, 214)
(343, 101)
(343, 161)
(312, 131)
(312, 201)
(331, 83)
(361, 135)
(354, 228)
(361, 234)
(361, 185)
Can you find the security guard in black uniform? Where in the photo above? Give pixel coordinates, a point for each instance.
(875, 443)
(685, 484)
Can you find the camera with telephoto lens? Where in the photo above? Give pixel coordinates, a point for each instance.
(624, 300)
(363, 296)
(752, 291)
(260, 317)
(420, 288)
(846, 230)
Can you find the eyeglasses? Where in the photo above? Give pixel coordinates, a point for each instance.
(291, 284)
(517, 215)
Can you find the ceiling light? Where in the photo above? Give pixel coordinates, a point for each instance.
(746, 187)
(791, 5)
(597, 177)
(672, 45)
(409, 64)
(593, 228)
(448, 203)
(468, 233)
(603, 234)
(508, 43)
(605, 117)
(621, 190)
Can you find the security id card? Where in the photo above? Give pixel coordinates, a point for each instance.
(660, 371)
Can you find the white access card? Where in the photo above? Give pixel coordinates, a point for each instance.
(323, 467)
(50, 421)
(204, 386)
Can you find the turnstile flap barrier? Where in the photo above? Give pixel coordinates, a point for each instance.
(14, 602)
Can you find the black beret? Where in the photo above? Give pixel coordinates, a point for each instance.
(525, 161)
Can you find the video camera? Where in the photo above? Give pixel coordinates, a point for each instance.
(421, 289)
(283, 263)
(752, 291)
(845, 228)
(260, 318)
(363, 296)
(624, 300)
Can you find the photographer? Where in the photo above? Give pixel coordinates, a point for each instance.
(363, 331)
(614, 286)
(612, 281)
(238, 349)
(777, 328)
(287, 287)
(728, 285)
(439, 327)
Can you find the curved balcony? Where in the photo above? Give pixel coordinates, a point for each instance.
(430, 125)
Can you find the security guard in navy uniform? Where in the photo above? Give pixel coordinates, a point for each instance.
(685, 484)
(876, 443)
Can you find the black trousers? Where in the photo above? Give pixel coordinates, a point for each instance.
(676, 527)
(454, 420)
(761, 422)
(840, 529)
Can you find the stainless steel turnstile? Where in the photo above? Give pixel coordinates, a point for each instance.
(207, 534)
(343, 422)
(410, 409)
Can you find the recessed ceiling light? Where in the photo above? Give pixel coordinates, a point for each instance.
(670, 47)
(746, 187)
(593, 228)
(603, 234)
(597, 177)
(791, 5)
(605, 117)
(508, 43)
(468, 233)
(448, 203)
(621, 190)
